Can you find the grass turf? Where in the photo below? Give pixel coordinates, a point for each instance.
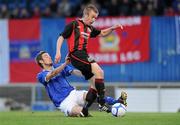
(99, 118)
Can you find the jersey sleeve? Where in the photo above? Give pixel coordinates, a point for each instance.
(68, 70)
(67, 30)
(42, 77)
(95, 32)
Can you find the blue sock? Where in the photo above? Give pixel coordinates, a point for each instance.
(110, 100)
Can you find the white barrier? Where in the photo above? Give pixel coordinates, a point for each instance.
(144, 97)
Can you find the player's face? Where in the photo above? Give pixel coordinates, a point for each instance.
(47, 59)
(91, 17)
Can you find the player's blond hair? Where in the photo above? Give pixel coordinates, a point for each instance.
(88, 8)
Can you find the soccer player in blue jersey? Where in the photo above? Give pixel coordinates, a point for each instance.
(64, 96)
(53, 76)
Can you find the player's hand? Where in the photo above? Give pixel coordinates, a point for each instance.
(117, 26)
(57, 57)
(67, 59)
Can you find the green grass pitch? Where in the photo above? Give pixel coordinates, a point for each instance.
(99, 118)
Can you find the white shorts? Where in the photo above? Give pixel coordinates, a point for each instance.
(73, 99)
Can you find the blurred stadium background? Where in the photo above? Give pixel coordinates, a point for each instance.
(143, 59)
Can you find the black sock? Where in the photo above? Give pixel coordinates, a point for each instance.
(84, 112)
(90, 97)
(99, 83)
(120, 100)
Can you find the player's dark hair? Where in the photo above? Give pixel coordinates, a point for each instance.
(39, 57)
(88, 8)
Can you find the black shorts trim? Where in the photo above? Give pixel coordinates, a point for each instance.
(79, 59)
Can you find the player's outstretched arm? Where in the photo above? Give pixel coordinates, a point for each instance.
(57, 70)
(107, 31)
(58, 49)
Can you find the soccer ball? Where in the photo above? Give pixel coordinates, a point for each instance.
(118, 110)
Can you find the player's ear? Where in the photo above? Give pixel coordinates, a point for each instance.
(86, 16)
(41, 61)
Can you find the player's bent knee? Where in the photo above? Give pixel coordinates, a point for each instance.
(96, 69)
(99, 73)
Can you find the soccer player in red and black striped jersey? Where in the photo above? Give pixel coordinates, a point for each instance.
(78, 32)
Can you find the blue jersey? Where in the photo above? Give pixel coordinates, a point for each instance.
(58, 88)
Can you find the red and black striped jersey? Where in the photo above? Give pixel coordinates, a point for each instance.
(78, 34)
